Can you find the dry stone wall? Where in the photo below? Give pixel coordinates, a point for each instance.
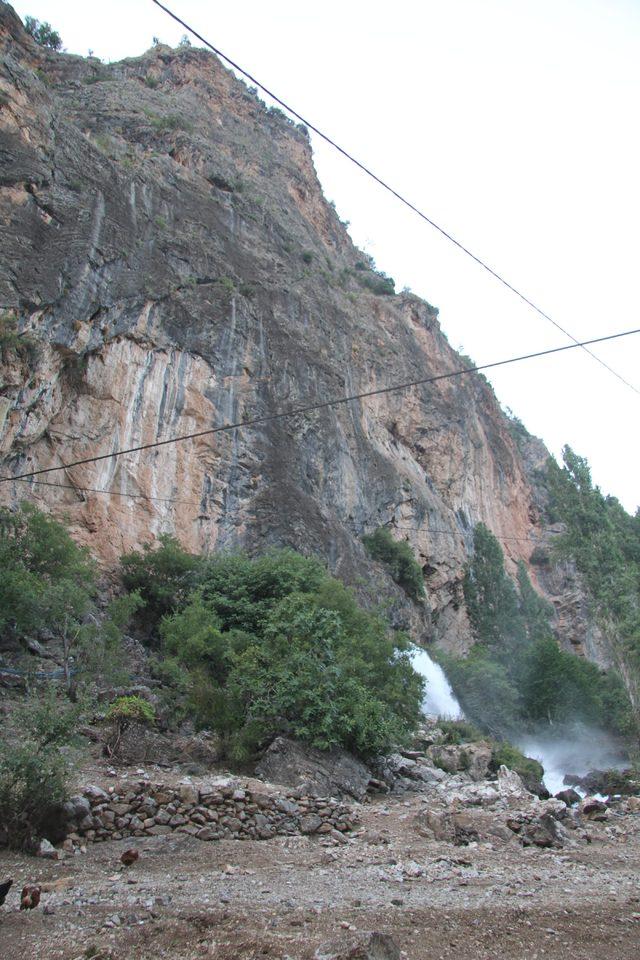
(208, 813)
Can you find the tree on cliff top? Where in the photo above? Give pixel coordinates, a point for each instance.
(43, 33)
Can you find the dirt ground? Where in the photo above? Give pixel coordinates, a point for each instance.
(301, 897)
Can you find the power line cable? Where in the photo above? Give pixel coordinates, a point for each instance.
(390, 525)
(141, 496)
(482, 263)
(110, 493)
(313, 407)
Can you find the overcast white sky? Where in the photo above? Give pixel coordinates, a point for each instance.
(512, 123)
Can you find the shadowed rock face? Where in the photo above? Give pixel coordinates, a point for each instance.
(166, 244)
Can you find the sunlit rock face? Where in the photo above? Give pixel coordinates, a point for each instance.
(166, 243)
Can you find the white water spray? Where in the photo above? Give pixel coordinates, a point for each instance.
(577, 751)
(439, 699)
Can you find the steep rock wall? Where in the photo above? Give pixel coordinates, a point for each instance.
(167, 247)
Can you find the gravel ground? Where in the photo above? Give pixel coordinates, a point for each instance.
(302, 897)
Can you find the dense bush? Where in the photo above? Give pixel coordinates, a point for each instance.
(458, 731)
(34, 771)
(399, 558)
(378, 283)
(13, 343)
(276, 645)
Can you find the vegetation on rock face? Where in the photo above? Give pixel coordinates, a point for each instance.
(43, 33)
(604, 542)
(12, 343)
(398, 557)
(516, 676)
(275, 645)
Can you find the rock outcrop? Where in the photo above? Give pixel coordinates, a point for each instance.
(173, 267)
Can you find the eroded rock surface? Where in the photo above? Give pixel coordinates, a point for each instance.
(169, 255)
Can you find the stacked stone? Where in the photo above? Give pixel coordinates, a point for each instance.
(208, 813)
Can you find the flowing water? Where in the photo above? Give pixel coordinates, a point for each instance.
(439, 699)
(575, 750)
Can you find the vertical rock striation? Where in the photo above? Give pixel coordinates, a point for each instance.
(167, 248)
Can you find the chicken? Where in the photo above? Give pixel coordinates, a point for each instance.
(129, 857)
(30, 896)
(4, 890)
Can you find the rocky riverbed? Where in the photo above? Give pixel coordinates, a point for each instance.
(447, 870)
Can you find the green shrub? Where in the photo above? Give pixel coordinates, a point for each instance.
(398, 557)
(276, 645)
(378, 283)
(307, 256)
(459, 731)
(12, 341)
(170, 121)
(34, 772)
(126, 710)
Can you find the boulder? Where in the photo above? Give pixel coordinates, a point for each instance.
(317, 773)
(544, 831)
(470, 758)
(510, 785)
(47, 850)
(568, 796)
(592, 809)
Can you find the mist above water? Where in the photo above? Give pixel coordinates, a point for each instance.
(576, 750)
(439, 699)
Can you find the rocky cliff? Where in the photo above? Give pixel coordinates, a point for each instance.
(172, 266)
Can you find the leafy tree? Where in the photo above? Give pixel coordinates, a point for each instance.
(276, 645)
(48, 580)
(163, 574)
(490, 595)
(49, 586)
(43, 33)
(489, 697)
(399, 558)
(243, 590)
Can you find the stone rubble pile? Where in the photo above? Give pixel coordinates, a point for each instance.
(212, 812)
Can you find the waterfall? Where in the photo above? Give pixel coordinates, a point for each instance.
(439, 699)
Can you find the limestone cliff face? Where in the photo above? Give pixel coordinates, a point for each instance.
(166, 244)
